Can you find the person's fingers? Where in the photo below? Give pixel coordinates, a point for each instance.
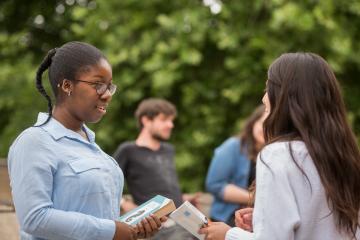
(164, 219)
(245, 210)
(147, 227)
(203, 230)
(237, 214)
(247, 218)
(243, 218)
(156, 220)
(152, 224)
(208, 237)
(134, 233)
(242, 225)
(240, 219)
(237, 223)
(140, 230)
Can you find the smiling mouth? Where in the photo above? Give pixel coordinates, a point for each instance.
(101, 108)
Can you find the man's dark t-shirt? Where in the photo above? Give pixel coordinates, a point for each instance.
(149, 172)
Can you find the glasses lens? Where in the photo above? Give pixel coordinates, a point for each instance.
(102, 88)
(112, 88)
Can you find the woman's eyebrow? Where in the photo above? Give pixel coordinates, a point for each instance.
(100, 78)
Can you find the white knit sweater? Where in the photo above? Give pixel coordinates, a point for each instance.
(286, 207)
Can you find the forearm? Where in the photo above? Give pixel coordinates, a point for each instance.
(235, 194)
(57, 224)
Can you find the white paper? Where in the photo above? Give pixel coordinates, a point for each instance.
(190, 218)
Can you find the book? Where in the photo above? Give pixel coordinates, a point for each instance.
(190, 218)
(158, 205)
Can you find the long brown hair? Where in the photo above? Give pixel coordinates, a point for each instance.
(306, 104)
(249, 145)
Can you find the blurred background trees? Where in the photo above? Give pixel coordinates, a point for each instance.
(208, 57)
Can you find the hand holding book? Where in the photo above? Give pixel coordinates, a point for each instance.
(159, 206)
(190, 218)
(215, 230)
(124, 232)
(145, 220)
(148, 226)
(243, 219)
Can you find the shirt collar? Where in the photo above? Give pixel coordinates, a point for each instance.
(57, 130)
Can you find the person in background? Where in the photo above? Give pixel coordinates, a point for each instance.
(308, 174)
(148, 162)
(63, 185)
(232, 169)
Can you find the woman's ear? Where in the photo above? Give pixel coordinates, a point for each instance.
(67, 87)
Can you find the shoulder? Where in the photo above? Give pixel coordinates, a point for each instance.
(279, 153)
(125, 147)
(32, 136)
(33, 141)
(230, 143)
(168, 146)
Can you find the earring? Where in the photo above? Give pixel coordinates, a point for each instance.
(69, 93)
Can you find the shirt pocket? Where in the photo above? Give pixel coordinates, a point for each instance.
(80, 166)
(88, 176)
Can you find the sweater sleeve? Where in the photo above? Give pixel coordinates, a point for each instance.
(238, 234)
(276, 213)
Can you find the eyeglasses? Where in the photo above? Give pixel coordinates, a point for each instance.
(100, 87)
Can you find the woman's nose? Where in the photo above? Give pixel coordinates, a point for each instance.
(106, 95)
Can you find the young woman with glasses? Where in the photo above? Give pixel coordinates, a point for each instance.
(63, 185)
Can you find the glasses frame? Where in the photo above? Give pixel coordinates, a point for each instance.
(99, 87)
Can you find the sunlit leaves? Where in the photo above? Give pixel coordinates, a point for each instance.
(212, 66)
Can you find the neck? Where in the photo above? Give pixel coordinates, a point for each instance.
(62, 115)
(146, 140)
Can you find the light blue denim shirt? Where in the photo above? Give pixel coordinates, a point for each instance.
(228, 165)
(63, 186)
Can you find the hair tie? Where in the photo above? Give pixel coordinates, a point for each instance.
(52, 52)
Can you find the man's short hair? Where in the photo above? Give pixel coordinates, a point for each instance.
(152, 107)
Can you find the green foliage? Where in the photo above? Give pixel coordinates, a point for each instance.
(212, 66)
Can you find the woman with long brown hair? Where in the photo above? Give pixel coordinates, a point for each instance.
(308, 174)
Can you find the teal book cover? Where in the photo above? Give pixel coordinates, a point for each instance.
(152, 206)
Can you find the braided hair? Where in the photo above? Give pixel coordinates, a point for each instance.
(65, 62)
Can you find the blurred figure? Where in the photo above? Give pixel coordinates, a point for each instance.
(148, 163)
(232, 169)
(308, 174)
(63, 185)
